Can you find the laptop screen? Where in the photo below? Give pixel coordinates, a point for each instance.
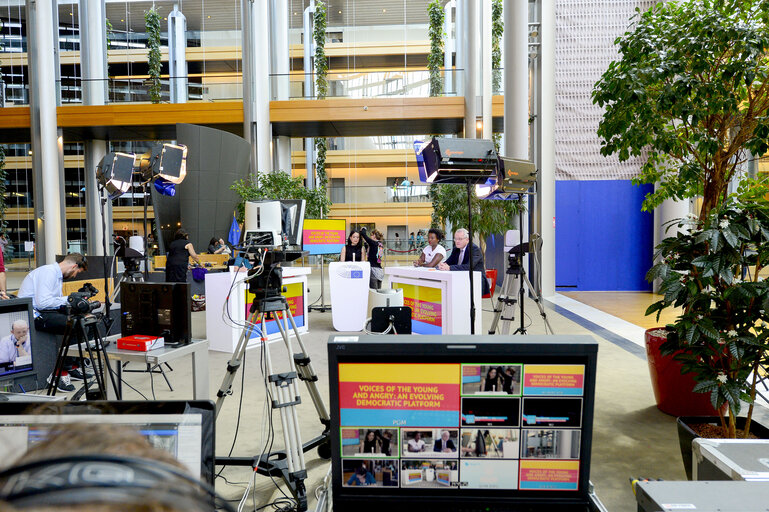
(443, 420)
(184, 429)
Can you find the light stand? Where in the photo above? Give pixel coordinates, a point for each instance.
(470, 248)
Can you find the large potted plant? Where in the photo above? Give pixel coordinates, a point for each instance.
(690, 93)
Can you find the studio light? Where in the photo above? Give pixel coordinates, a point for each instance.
(114, 173)
(517, 175)
(167, 161)
(459, 160)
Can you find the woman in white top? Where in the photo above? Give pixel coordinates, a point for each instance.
(433, 253)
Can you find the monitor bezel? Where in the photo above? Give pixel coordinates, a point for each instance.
(14, 305)
(458, 348)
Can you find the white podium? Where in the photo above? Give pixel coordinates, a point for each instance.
(348, 281)
(439, 300)
(222, 335)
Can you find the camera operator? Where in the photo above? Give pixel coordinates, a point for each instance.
(44, 286)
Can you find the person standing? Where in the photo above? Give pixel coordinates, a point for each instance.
(406, 184)
(411, 242)
(179, 253)
(374, 256)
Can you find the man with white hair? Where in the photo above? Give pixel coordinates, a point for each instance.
(459, 259)
(15, 344)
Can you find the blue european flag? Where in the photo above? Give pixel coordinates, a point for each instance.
(234, 236)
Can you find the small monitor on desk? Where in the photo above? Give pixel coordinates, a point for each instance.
(17, 343)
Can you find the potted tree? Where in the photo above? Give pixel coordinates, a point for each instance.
(690, 92)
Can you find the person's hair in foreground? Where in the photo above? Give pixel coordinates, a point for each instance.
(101, 468)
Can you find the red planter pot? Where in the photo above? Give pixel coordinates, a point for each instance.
(672, 389)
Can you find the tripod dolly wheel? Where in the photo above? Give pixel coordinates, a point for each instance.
(324, 450)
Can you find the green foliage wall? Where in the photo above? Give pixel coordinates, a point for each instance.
(435, 57)
(152, 22)
(321, 89)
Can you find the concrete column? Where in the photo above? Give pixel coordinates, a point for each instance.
(249, 93)
(460, 19)
(309, 46)
(47, 170)
(260, 24)
(93, 65)
(546, 180)
(486, 68)
(449, 46)
(177, 55)
(471, 65)
(516, 64)
(280, 81)
(669, 210)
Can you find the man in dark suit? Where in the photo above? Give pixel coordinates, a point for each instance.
(444, 444)
(459, 259)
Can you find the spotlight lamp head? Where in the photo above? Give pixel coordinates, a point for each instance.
(114, 173)
(169, 161)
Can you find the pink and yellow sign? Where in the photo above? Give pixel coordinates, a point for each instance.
(426, 305)
(295, 295)
(549, 474)
(324, 236)
(553, 379)
(399, 395)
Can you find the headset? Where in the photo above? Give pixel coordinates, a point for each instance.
(108, 479)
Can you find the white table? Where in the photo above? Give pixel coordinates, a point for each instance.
(221, 334)
(439, 300)
(198, 349)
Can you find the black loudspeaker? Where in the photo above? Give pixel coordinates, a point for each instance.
(157, 309)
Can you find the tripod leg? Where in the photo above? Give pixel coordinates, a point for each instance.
(59, 365)
(503, 309)
(308, 375)
(99, 377)
(538, 301)
(234, 363)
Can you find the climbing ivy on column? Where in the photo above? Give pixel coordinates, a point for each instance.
(435, 57)
(3, 203)
(321, 90)
(152, 23)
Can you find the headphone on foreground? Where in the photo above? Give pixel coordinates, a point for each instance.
(108, 479)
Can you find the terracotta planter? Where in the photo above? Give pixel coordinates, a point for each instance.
(672, 389)
(686, 435)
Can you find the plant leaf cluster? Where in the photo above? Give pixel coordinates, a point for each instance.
(711, 269)
(321, 88)
(279, 185)
(152, 23)
(690, 91)
(497, 29)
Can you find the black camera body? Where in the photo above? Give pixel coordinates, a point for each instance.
(269, 283)
(78, 302)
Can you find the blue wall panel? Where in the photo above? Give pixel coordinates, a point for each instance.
(603, 239)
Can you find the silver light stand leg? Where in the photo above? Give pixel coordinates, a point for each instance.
(505, 307)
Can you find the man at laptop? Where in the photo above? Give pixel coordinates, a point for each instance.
(44, 286)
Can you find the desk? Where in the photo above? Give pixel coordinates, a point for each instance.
(197, 348)
(222, 335)
(439, 300)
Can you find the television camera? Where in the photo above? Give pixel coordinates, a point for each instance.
(78, 303)
(266, 276)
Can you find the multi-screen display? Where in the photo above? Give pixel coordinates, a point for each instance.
(500, 425)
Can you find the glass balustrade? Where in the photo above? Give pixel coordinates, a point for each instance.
(369, 195)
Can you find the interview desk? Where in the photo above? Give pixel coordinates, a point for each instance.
(439, 300)
(224, 326)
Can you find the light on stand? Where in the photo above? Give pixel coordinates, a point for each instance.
(114, 173)
(167, 161)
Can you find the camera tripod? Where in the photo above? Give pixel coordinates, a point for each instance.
(77, 332)
(284, 395)
(504, 309)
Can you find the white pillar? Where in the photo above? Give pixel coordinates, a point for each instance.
(177, 55)
(547, 137)
(280, 83)
(460, 43)
(449, 15)
(516, 64)
(260, 23)
(45, 143)
(247, 52)
(471, 67)
(93, 66)
(486, 68)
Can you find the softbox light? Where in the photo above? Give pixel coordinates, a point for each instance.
(459, 160)
(169, 161)
(114, 173)
(518, 176)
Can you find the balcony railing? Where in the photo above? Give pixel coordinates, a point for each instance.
(378, 194)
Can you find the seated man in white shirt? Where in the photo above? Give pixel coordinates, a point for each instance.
(433, 253)
(16, 344)
(44, 285)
